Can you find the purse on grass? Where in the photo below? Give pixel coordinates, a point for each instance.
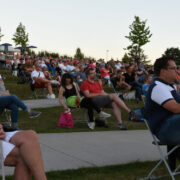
(66, 120)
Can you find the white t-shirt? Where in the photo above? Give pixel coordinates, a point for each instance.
(70, 68)
(63, 68)
(118, 65)
(36, 74)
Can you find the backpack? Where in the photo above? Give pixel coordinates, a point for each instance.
(138, 115)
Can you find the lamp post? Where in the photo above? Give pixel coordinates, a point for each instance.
(107, 51)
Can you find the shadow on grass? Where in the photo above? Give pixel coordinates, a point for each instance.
(131, 171)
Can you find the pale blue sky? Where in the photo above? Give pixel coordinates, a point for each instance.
(93, 25)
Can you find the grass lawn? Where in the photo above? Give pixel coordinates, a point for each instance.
(131, 171)
(47, 121)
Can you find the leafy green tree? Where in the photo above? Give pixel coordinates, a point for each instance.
(126, 58)
(21, 37)
(139, 35)
(1, 35)
(173, 53)
(79, 55)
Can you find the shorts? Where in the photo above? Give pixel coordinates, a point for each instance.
(6, 145)
(102, 101)
(39, 85)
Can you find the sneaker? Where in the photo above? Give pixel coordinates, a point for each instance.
(132, 115)
(91, 125)
(122, 127)
(48, 96)
(104, 115)
(52, 96)
(33, 114)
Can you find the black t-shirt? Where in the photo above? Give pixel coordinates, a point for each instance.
(70, 92)
(115, 80)
(129, 78)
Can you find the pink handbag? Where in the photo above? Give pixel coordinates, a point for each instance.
(66, 120)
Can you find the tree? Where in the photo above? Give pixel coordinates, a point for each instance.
(126, 58)
(1, 35)
(173, 53)
(79, 55)
(21, 37)
(139, 35)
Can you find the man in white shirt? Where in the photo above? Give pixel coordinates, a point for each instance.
(70, 68)
(39, 81)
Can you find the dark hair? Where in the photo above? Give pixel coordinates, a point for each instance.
(146, 77)
(88, 71)
(119, 71)
(161, 63)
(64, 77)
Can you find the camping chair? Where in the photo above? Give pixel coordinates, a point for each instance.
(2, 161)
(38, 92)
(163, 156)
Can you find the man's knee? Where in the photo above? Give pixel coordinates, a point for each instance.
(24, 137)
(14, 97)
(112, 96)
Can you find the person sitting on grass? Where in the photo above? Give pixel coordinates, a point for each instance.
(95, 95)
(39, 81)
(21, 149)
(13, 103)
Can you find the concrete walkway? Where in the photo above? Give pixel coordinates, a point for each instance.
(93, 149)
(42, 103)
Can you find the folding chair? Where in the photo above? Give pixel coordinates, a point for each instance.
(2, 161)
(163, 156)
(38, 92)
(5, 113)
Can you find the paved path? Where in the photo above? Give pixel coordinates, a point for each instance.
(42, 103)
(92, 149)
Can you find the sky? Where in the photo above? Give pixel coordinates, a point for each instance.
(97, 27)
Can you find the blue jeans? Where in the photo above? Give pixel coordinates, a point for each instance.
(137, 87)
(170, 131)
(12, 102)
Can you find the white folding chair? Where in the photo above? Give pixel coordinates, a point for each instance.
(163, 156)
(2, 161)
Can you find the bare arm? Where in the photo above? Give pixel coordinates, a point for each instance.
(91, 95)
(61, 91)
(77, 92)
(172, 106)
(41, 79)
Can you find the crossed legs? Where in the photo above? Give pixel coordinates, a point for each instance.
(26, 156)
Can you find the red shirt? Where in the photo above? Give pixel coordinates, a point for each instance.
(91, 87)
(104, 72)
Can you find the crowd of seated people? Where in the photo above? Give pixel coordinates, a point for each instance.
(126, 76)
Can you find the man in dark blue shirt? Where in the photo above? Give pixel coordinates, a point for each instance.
(162, 108)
